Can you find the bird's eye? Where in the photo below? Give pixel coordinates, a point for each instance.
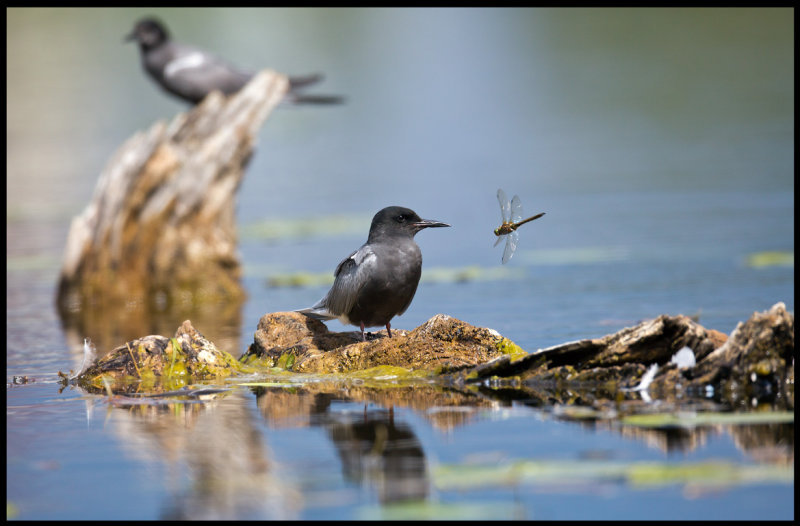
(401, 218)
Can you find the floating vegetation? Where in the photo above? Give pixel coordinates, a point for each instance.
(574, 256)
(691, 419)
(382, 376)
(184, 395)
(770, 258)
(300, 279)
(285, 385)
(426, 510)
(388, 372)
(470, 273)
(432, 275)
(305, 227)
(642, 474)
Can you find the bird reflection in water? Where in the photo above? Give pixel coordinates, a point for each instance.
(373, 447)
(512, 220)
(377, 449)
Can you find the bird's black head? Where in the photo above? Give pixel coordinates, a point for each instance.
(399, 221)
(149, 33)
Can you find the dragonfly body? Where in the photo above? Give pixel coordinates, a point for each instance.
(507, 227)
(512, 220)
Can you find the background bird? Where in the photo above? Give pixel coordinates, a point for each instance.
(378, 281)
(191, 73)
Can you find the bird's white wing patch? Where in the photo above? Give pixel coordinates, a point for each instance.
(187, 62)
(364, 257)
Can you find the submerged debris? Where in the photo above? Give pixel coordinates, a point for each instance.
(156, 363)
(755, 363)
(89, 356)
(22, 380)
(668, 358)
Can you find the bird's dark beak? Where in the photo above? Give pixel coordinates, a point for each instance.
(427, 223)
(129, 37)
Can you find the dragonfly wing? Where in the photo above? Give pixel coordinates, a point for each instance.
(499, 239)
(505, 206)
(511, 245)
(516, 209)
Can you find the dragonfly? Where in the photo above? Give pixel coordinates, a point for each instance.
(512, 220)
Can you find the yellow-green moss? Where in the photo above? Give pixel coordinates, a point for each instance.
(257, 362)
(286, 361)
(506, 346)
(763, 368)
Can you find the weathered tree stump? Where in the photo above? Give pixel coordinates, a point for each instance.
(161, 224)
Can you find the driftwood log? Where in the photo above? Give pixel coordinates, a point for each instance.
(754, 363)
(161, 224)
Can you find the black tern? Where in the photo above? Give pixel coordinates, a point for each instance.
(191, 73)
(377, 282)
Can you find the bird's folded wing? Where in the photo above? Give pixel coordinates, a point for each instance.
(351, 275)
(196, 72)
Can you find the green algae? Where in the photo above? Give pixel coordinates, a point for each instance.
(177, 373)
(574, 256)
(285, 385)
(431, 275)
(255, 362)
(306, 227)
(286, 361)
(510, 348)
(11, 510)
(770, 258)
(691, 419)
(382, 376)
(427, 510)
(300, 279)
(388, 372)
(156, 364)
(640, 475)
(709, 473)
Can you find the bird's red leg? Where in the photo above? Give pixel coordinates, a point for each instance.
(389, 329)
(363, 338)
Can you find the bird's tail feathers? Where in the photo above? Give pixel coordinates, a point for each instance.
(317, 314)
(296, 98)
(297, 82)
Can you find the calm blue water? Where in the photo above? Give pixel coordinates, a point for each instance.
(659, 142)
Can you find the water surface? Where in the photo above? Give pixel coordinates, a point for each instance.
(659, 142)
